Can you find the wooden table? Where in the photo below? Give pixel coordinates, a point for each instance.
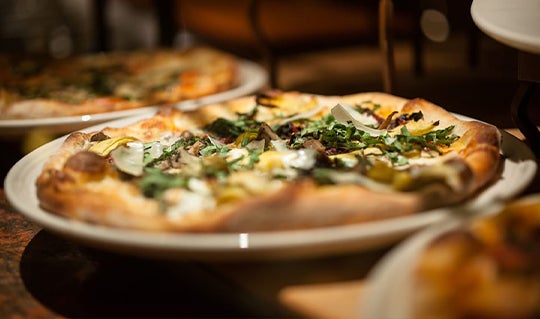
(44, 276)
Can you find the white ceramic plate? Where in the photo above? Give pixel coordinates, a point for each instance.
(391, 284)
(515, 23)
(519, 167)
(252, 78)
(391, 280)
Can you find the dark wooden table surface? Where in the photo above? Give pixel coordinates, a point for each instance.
(45, 276)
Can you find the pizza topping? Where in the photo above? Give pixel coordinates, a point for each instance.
(386, 123)
(267, 134)
(104, 147)
(268, 99)
(152, 151)
(225, 128)
(242, 184)
(195, 197)
(302, 115)
(449, 173)
(352, 152)
(398, 147)
(129, 157)
(231, 158)
(341, 114)
(286, 164)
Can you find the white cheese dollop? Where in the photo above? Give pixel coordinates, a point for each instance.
(287, 162)
(197, 198)
(302, 158)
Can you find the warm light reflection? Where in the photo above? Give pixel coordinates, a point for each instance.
(243, 240)
(435, 25)
(86, 118)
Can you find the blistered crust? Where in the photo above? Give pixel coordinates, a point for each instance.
(478, 145)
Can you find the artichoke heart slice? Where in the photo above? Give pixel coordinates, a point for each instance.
(418, 128)
(103, 148)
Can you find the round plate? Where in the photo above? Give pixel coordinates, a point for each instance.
(518, 169)
(252, 78)
(391, 280)
(515, 23)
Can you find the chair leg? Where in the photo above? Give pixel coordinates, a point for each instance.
(418, 43)
(266, 52)
(473, 46)
(386, 37)
(165, 15)
(520, 117)
(100, 25)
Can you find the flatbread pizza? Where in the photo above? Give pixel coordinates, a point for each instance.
(273, 161)
(33, 87)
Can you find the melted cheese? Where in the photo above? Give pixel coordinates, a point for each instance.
(285, 162)
(197, 198)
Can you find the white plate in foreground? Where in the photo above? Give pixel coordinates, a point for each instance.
(252, 78)
(391, 283)
(518, 169)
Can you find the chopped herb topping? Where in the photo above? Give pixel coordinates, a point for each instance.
(228, 146)
(155, 181)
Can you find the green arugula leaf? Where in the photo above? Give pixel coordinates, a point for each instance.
(170, 150)
(155, 182)
(225, 128)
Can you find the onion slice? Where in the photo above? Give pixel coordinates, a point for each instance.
(341, 114)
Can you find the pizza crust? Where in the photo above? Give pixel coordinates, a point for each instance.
(478, 145)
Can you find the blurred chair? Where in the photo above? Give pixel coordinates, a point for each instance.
(271, 29)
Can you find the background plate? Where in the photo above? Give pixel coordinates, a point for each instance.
(515, 23)
(517, 171)
(252, 78)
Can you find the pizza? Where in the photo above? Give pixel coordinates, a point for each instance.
(99, 83)
(489, 267)
(273, 161)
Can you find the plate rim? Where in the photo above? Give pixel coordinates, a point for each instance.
(228, 246)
